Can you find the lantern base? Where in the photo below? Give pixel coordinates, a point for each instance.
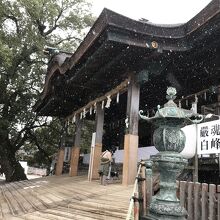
(166, 210)
(165, 205)
(162, 217)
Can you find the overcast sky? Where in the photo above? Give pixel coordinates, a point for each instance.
(156, 11)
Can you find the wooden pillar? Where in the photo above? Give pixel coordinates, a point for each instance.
(59, 165)
(96, 150)
(75, 152)
(131, 136)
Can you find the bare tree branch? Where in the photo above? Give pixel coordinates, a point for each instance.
(35, 140)
(26, 130)
(55, 24)
(67, 39)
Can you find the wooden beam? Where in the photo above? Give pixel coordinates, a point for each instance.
(120, 88)
(75, 152)
(96, 150)
(131, 137)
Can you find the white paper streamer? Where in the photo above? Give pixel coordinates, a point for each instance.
(180, 104)
(126, 122)
(108, 103)
(90, 110)
(117, 98)
(103, 102)
(74, 119)
(95, 107)
(196, 99)
(84, 113)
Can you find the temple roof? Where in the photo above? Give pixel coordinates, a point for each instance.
(116, 45)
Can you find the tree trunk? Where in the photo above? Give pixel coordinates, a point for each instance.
(12, 169)
(13, 172)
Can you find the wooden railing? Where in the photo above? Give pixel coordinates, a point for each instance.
(201, 200)
(142, 192)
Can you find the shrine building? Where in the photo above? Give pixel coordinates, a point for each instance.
(123, 66)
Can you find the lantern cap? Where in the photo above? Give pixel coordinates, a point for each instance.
(172, 111)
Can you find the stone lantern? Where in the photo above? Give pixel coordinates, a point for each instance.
(169, 140)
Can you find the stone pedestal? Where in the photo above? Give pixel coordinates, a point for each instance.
(166, 205)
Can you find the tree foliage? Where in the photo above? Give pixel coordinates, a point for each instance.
(26, 27)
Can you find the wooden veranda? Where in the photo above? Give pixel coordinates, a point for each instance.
(63, 198)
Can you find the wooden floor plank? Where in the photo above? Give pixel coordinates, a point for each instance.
(64, 198)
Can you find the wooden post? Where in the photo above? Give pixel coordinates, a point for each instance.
(183, 193)
(190, 201)
(212, 199)
(195, 162)
(60, 159)
(144, 190)
(75, 152)
(97, 151)
(196, 168)
(136, 206)
(204, 200)
(149, 183)
(131, 136)
(197, 199)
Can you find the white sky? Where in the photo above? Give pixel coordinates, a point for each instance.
(156, 11)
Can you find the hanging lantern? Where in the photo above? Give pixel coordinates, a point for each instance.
(205, 96)
(81, 115)
(90, 110)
